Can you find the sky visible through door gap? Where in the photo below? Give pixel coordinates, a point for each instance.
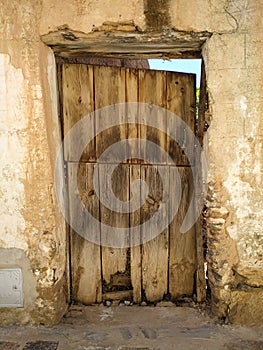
(179, 65)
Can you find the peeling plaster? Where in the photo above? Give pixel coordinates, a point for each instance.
(233, 232)
(248, 210)
(240, 190)
(13, 154)
(241, 104)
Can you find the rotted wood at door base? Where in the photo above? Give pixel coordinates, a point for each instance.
(165, 264)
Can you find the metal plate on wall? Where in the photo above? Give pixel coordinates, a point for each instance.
(11, 288)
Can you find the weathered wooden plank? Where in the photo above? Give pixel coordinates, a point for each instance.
(152, 90)
(68, 235)
(85, 255)
(181, 102)
(182, 253)
(110, 42)
(110, 89)
(133, 131)
(135, 238)
(155, 251)
(78, 102)
(113, 259)
(118, 295)
(121, 280)
(109, 85)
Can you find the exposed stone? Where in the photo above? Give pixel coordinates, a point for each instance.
(246, 307)
(253, 275)
(217, 213)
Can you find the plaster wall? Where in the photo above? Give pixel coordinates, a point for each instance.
(31, 224)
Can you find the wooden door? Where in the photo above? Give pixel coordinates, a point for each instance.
(166, 264)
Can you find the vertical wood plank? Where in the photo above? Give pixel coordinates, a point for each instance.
(155, 251)
(78, 102)
(181, 102)
(68, 234)
(109, 85)
(152, 90)
(133, 131)
(135, 239)
(114, 259)
(182, 262)
(85, 255)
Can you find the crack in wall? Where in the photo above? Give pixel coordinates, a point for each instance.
(227, 8)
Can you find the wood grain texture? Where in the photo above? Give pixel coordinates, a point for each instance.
(155, 251)
(181, 103)
(85, 255)
(118, 295)
(182, 261)
(78, 102)
(109, 87)
(152, 90)
(114, 259)
(132, 117)
(135, 239)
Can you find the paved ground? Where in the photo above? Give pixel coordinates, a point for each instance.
(132, 328)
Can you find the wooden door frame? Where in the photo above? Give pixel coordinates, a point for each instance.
(188, 46)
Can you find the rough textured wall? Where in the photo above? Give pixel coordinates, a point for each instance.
(29, 137)
(235, 227)
(32, 230)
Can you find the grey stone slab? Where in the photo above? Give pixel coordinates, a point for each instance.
(149, 333)
(245, 345)
(6, 345)
(41, 345)
(136, 348)
(95, 336)
(125, 333)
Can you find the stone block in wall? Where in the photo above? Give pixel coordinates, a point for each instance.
(246, 307)
(252, 274)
